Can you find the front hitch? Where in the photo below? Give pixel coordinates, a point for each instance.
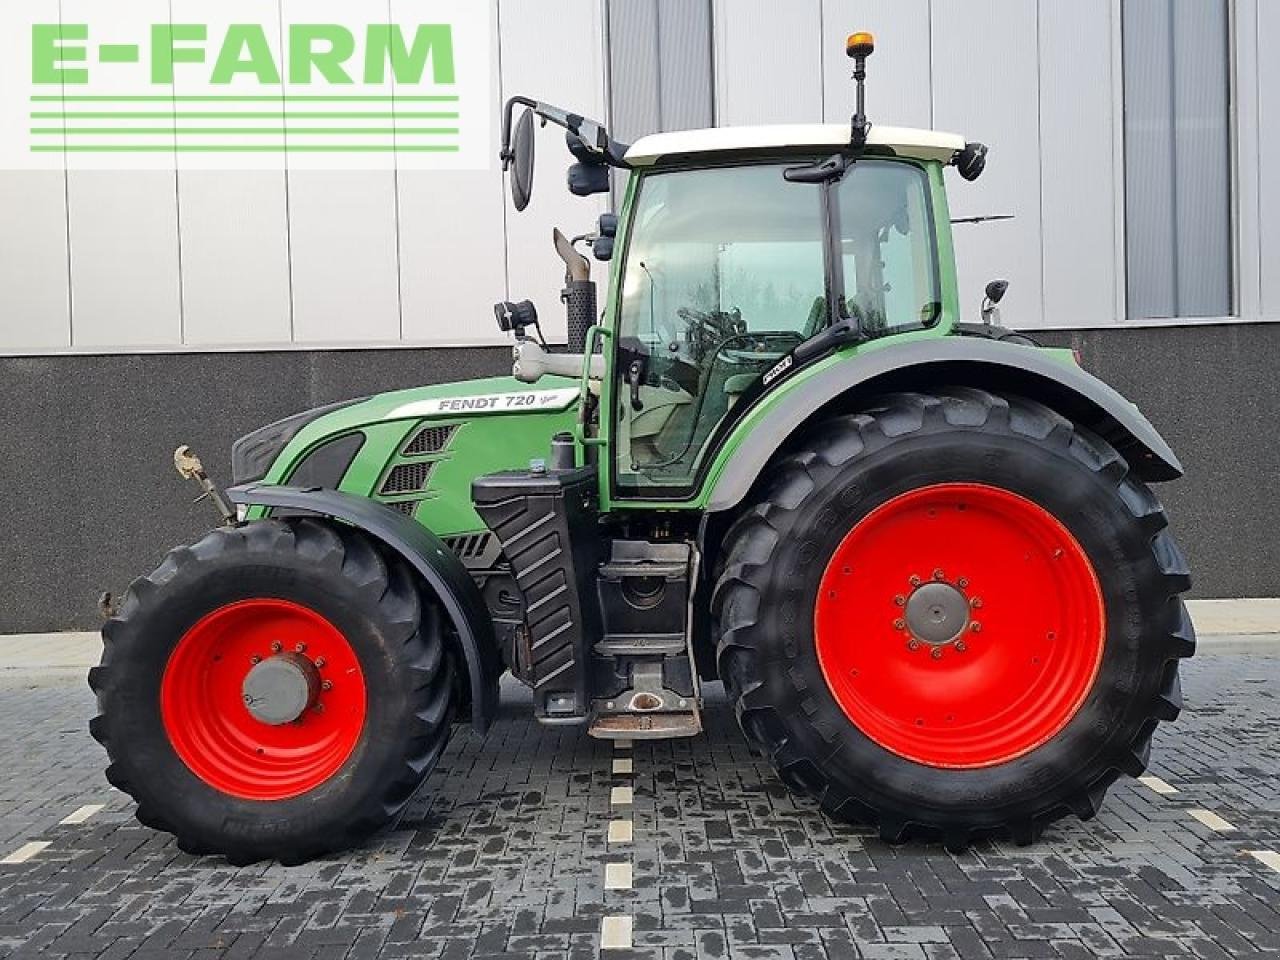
(189, 467)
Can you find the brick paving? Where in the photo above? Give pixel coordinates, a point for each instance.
(504, 855)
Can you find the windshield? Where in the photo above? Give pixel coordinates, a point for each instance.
(725, 273)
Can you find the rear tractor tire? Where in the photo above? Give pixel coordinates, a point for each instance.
(953, 615)
(278, 690)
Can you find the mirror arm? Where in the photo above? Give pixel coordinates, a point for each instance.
(590, 132)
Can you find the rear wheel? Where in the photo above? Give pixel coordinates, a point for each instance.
(278, 690)
(953, 615)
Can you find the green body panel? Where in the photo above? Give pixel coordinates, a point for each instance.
(495, 439)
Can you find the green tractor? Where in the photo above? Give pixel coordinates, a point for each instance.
(922, 555)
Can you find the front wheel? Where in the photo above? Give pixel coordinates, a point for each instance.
(276, 691)
(955, 614)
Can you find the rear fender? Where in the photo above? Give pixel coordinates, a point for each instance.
(921, 364)
(439, 568)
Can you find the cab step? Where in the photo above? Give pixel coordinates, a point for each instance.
(646, 726)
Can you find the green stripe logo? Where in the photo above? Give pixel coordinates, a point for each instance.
(115, 86)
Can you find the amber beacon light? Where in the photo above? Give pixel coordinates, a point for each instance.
(860, 44)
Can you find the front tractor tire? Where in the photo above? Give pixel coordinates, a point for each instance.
(279, 690)
(952, 615)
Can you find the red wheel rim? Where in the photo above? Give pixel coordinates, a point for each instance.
(959, 625)
(203, 708)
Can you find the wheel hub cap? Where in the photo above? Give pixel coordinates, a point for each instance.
(281, 689)
(937, 613)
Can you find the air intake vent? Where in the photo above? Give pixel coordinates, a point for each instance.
(469, 546)
(407, 507)
(429, 440)
(407, 478)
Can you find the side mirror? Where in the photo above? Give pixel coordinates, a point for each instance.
(522, 162)
(972, 160)
(996, 290)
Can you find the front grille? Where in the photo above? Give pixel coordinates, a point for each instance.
(407, 478)
(429, 440)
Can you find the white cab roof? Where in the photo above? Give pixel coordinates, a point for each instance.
(905, 141)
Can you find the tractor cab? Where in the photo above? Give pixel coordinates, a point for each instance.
(740, 257)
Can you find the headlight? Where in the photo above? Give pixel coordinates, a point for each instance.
(253, 454)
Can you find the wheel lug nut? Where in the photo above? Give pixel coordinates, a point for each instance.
(899, 624)
(248, 699)
(300, 648)
(960, 646)
(963, 582)
(913, 644)
(913, 580)
(319, 708)
(975, 627)
(900, 600)
(327, 685)
(319, 662)
(938, 575)
(976, 603)
(255, 660)
(276, 646)
(937, 653)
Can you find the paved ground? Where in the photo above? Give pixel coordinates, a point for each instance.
(507, 857)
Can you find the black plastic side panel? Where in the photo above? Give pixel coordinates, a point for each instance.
(972, 361)
(547, 525)
(442, 571)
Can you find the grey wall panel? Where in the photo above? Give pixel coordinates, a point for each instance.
(686, 93)
(635, 63)
(342, 226)
(660, 66)
(123, 226)
(34, 301)
(1202, 157)
(769, 61)
(1148, 146)
(559, 59)
(1079, 188)
(1177, 158)
(453, 260)
(986, 87)
(899, 87)
(235, 257)
(1268, 131)
(233, 224)
(123, 223)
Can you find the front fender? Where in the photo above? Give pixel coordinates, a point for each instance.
(920, 364)
(421, 548)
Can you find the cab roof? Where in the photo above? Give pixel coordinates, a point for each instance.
(904, 141)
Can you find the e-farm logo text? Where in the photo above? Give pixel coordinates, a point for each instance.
(113, 88)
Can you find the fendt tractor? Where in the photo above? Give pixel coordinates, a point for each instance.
(922, 555)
